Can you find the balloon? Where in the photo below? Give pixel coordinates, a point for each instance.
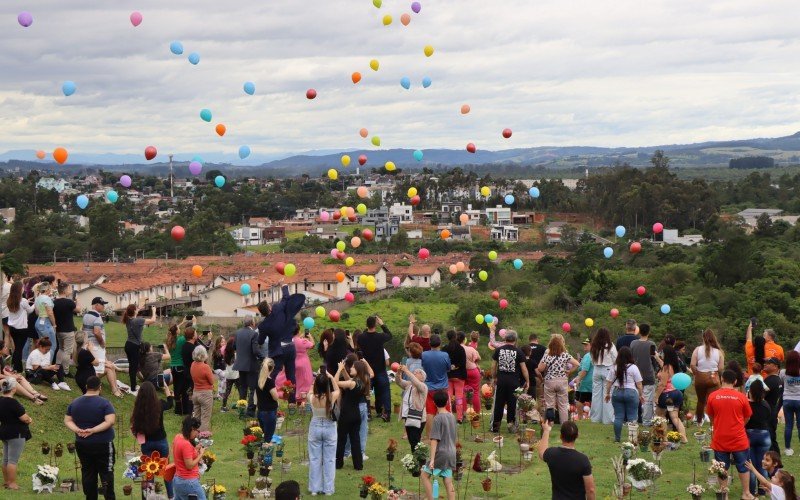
(507, 133)
(374, 64)
(614, 313)
(363, 133)
(416, 7)
(334, 316)
(205, 115)
(608, 252)
(361, 209)
(150, 152)
(25, 19)
(444, 235)
(40, 155)
(249, 88)
(377, 3)
(308, 323)
(517, 264)
(426, 82)
(418, 155)
(424, 253)
(341, 245)
(197, 271)
(349, 261)
(405, 19)
(125, 180)
(479, 319)
(589, 322)
(244, 289)
(311, 94)
(471, 148)
(356, 77)
(390, 166)
(197, 158)
(465, 109)
(362, 159)
(355, 242)
(453, 269)
(636, 247)
(333, 174)
(534, 192)
(486, 390)
(681, 381)
(136, 18)
(463, 218)
(485, 191)
(60, 155)
(412, 192)
(362, 191)
(289, 270)
(280, 267)
(112, 196)
(488, 318)
(219, 181)
(371, 286)
(395, 282)
(324, 216)
(495, 294)
(349, 297)
(641, 290)
(509, 199)
(387, 20)
(492, 255)
(340, 276)
(176, 48)
(395, 366)
(415, 200)
(221, 129)
(367, 234)
(345, 160)
(428, 50)
(620, 231)
(68, 88)
(334, 253)
(483, 275)
(244, 152)
(82, 201)
(566, 327)
(460, 266)
(665, 309)
(195, 167)
(194, 58)
(503, 303)
(405, 82)
(376, 141)
(177, 233)
(658, 227)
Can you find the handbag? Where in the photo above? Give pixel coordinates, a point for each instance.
(414, 416)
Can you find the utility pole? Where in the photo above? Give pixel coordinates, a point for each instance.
(171, 193)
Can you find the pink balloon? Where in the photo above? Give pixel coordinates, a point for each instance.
(658, 227)
(424, 253)
(566, 327)
(349, 297)
(334, 252)
(503, 303)
(324, 216)
(396, 281)
(195, 167)
(614, 313)
(125, 180)
(136, 18)
(641, 290)
(502, 332)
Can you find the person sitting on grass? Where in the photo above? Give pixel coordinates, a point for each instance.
(39, 367)
(443, 448)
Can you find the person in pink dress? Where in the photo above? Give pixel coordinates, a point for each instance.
(473, 373)
(302, 365)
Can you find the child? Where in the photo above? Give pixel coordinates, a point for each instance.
(780, 488)
(755, 376)
(231, 375)
(473, 339)
(771, 463)
(443, 447)
(218, 365)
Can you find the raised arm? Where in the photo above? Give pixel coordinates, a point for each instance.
(152, 319)
(749, 333)
(544, 442)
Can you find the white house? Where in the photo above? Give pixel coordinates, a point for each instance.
(504, 233)
(671, 238)
(499, 215)
(404, 212)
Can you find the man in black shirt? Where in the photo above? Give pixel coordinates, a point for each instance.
(774, 397)
(64, 312)
(371, 344)
(631, 331)
(508, 363)
(570, 470)
(537, 353)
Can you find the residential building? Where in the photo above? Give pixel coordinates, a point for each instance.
(306, 214)
(553, 232)
(375, 216)
(8, 214)
(751, 215)
(327, 233)
(273, 234)
(48, 183)
(671, 238)
(387, 229)
(404, 212)
(457, 233)
(247, 236)
(504, 233)
(448, 210)
(498, 215)
(474, 216)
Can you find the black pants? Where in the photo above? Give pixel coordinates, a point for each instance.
(42, 375)
(229, 384)
(20, 337)
(182, 404)
(504, 397)
(247, 389)
(132, 352)
(286, 361)
(414, 435)
(97, 459)
(344, 431)
(773, 427)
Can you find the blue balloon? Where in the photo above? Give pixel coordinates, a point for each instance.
(198, 159)
(534, 192)
(418, 155)
(112, 196)
(194, 58)
(681, 381)
(308, 322)
(405, 82)
(245, 289)
(205, 115)
(176, 47)
(488, 318)
(249, 88)
(620, 231)
(665, 309)
(426, 82)
(517, 263)
(82, 201)
(509, 199)
(68, 88)
(219, 181)
(244, 152)
(608, 252)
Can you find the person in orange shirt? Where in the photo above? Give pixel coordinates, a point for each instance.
(753, 350)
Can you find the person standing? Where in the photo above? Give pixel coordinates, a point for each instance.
(186, 482)
(421, 335)
(444, 434)
(4, 293)
(322, 438)
(791, 399)
(246, 362)
(757, 429)
(473, 374)
(412, 410)
(354, 389)
(729, 410)
(64, 311)
(174, 346)
(267, 400)
(771, 348)
(14, 431)
(457, 376)
(668, 399)
(94, 329)
(92, 418)
(626, 383)
(371, 343)
(536, 390)
(134, 326)
(304, 374)
(147, 422)
(707, 363)
(45, 320)
(18, 310)
(583, 381)
(555, 367)
(603, 353)
(203, 383)
(436, 364)
(508, 369)
(231, 375)
(570, 470)
(631, 334)
(774, 398)
(644, 355)
(363, 402)
(279, 326)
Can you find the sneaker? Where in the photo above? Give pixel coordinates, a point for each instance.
(788, 452)
(224, 409)
(512, 428)
(134, 393)
(55, 387)
(63, 386)
(313, 493)
(364, 458)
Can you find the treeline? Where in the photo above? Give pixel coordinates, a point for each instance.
(751, 162)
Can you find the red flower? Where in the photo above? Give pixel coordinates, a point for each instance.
(287, 383)
(368, 480)
(248, 439)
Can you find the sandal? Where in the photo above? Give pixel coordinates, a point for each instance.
(40, 396)
(36, 401)
(119, 394)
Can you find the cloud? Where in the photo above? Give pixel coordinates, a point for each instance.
(607, 73)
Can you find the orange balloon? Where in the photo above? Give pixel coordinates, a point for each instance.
(460, 266)
(363, 133)
(362, 191)
(405, 19)
(453, 269)
(40, 154)
(356, 77)
(340, 276)
(465, 109)
(445, 234)
(197, 271)
(464, 218)
(221, 129)
(60, 155)
(351, 211)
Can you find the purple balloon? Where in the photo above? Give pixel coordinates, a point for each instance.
(25, 19)
(416, 7)
(125, 180)
(195, 167)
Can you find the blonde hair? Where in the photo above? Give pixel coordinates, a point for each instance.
(556, 346)
(266, 370)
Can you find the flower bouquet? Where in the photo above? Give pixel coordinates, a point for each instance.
(660, 423)
(396, 494)
(644, 437)
(627, 449)
(391, 449)
(241, 405)
(366, 484)
(718, 476)
(45, 478)
(642, 473)
(132, 469)
(251, 445)
(695, 490)
(410, 464)
(218, 492)
(674, 439)
(204, 439)
(526, 404)
(286, 389)
(377, 490)
(208, 459)
(486, 396)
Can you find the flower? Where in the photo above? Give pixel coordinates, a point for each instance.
(241, 404)
(47, 474)
(368, 480)
(525, 402)
(718, 469)
(695, 489)
(641, 470)
(209, 458)
(377, 490)
(152, 465)
(659, 421)
(627, 445)
(218, 489)
(410, 463)
(392, 448)
(395, 494)
(674, 437)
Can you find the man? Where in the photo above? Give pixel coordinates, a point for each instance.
(537, 353)
(570, 470)
(729, 411)
(508, 362)
(371, 344)
(64, 311)
(773, 397)
(771, 348)
(92, 419)
(424, 337)
(94, 328)
(583, 382)
(288, 490)
(279, 326)
(435, 364)
(247, 362)
(644, 355)
(630, 334)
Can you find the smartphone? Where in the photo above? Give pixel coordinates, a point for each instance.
(754, 321)
(550, 415)
(160, 380)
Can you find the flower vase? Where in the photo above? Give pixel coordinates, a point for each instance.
(243, 493)
(390, 457)
(292, 409)
(642, 447)
(286, 466)
(127, 490)
(363, 494)
(626, 489)
(722, 495)
(250, 454)
(487, 405)
(627, 453)
(278, 453)
(641, 485)
(279, 423)
(476, 424)
(242, 413)
(416, 473)
(487, 484)
(527, 456)
(705, 455)
(697, 497)
(219, 496)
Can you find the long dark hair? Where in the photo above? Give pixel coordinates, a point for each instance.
(230, 350)
(322, 388)
(146, 415)
(736, 368)
(362, 374)
(787, 483)
(758, 346)
(756, 391)
(130, 313)
(327, 334)
(14, 296)
(601, 342)
(671, 359)
(172, 337)
(793, 363)
(624, 358)
(144, 348)
(452, 339)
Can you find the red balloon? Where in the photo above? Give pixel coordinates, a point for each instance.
(424, 253)
(337, 215)
(503, 304)
(362, 159)
(471, 148)
(658, 227)
(636, 247)
(150, 152)
(352, 218)
(349, 297)
(495, 295)
(367, 234)
(334, 316)
(507, 133)
(614, 313)
(178, 233)
(566, 327)
(641, 290)
(395, 366)
(311, 93)
(415, 200)
(280, 267)
(340, 255)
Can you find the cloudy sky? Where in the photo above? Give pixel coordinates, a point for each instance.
(576, 72)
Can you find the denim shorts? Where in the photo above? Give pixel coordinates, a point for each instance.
(740, 457)
(443, 473)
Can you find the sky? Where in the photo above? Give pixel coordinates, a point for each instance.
(575, 72)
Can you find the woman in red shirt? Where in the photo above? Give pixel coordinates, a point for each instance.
(187, 458)
(203, 393)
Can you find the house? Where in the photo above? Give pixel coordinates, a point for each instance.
(130, 226)
(261, 222)
(8, 214)
(327, 234)
(498, 215)
(273, 234)
(671, 238)
(378, 270)
(457, 233)
(418, 275)
(504, 233)
(751, 216)
(448, 210)
(519, 219)
(553, 232)
(48, 183)
(375, 216)
(414, 234)
(223, 301)
(386, 229)
(247, 236)
(306, 214)
(405, 213)
(474, 216)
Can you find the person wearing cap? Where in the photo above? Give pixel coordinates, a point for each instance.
(631, 334)
(95, 331)
(583, 382)
(774, 397)
(14, 431)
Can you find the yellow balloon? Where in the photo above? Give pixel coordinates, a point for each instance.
(362, 279)
(345, 160)
(374, 64)
(485, 191)
(320, 311)
(412, 192)
(370, 278)
(483, 275)
(349, 261)
(371, 286)
(390, 166)
(343, 211)
(376, 141)
(387, 20)
(589, 322)
(333, 174)
(289, 270)
(361, 208)
(428, 50)
(492, 255)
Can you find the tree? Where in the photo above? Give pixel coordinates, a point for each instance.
(764, 225)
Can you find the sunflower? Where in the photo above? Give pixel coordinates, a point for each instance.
(153, 465)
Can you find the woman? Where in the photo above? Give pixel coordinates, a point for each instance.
(354, 390)
(304, 375)
(325, 340)
(473, 373)
(342, 345)
(187, 457)
(231, 375)
(18, 310)
(412, 409)
(555, 366)
(150, 363)
(180, 373)
(45, 319)
(414, 360)
(626, 382)
(203, 382)
(40, 367)
(457, 376)
(14, 431)
(707, 363)
(322, 437)
(363, 407)
(135, 325)
(758, 429)
(218, 365)
(147, 422)
(736, 368)
(669, 400)
(781, 487)
(603, 354)
(85, 367)
(791, 398)
(267, 400)
(24, 388)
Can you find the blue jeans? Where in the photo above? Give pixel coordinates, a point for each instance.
(383, 394)
(791, 410)
(267, 421)
(45, 329)
(321, 455)
(186, 487)
(162, 447)
(760, 443)
(362, 431)
(739, 457)
(626, 408)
